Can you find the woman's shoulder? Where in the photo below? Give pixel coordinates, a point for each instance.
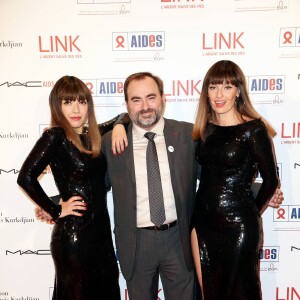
(54, 133)
(255, 123)
(255, 126)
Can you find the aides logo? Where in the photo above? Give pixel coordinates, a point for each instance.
(258, 5)
(267, 89)
(269, 254)
(138, 41)
(106, 92)
(63, 47)
(290, 133)
(287, 213)
(105, 87)
(289, 37)
(289, 42)
(104, 7)
(182, 4)
(268, 84)
(269, 258)
(218, 43)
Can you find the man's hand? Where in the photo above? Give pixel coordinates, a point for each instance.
(276, 199)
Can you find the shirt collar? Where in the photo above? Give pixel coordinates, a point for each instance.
(139, 132)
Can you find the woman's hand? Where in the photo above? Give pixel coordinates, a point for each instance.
(276, 199)
(118, 139)
(69, 207)
(42, 215)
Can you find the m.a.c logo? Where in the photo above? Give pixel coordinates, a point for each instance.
(27, 84)
(28, 252)
(8, 171)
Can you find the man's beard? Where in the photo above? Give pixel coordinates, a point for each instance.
(148, 122)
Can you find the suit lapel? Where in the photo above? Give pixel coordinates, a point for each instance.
(127, 155)
(172, 135)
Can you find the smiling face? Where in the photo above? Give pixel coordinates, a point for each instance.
(222, 99)
(145, 105)
(75, 112)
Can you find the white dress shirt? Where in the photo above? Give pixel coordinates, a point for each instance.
(140, 143)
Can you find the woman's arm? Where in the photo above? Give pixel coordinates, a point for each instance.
(122, 119)
(261, 147)
(119, 126)
(36, 162)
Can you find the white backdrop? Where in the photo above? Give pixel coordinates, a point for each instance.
(102, 42)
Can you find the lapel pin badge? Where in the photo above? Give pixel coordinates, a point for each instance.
(171, 149)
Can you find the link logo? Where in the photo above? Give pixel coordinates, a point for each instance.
(182, 4)
(61, 47)
(219, 40)
(290, 133)
(138, 41)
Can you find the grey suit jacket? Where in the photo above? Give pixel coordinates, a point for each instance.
(183, 169)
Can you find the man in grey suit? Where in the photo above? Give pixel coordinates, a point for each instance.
(147, 251)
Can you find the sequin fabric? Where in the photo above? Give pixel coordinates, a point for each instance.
(81, 247)
(227, 217)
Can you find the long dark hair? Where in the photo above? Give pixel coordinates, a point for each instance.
(230, 73)
(72, 88)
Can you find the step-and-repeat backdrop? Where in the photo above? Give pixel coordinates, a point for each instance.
(102, 42)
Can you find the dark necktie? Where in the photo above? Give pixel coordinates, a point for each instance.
(156, 199)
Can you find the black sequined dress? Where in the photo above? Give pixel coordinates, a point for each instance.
(81, 247)
(227, 217)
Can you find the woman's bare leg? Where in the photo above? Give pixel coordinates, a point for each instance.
(196, 255)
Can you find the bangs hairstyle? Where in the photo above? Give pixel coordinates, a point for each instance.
(141, 76)
(225, 71)
(71, 88)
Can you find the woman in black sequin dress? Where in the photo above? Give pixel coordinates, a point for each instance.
(81, 244)
(234, 143)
